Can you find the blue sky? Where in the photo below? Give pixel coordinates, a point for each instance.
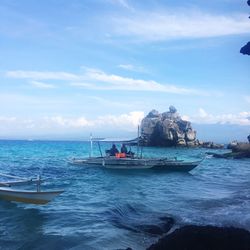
(68, 68)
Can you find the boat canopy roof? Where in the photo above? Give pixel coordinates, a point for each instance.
(116, 140)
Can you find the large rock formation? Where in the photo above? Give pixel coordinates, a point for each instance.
(166, 129)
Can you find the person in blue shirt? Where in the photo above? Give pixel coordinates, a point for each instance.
(113, 150)
(124, 149)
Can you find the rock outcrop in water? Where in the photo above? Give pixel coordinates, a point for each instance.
(239, 150)
(167, 129)
(204, 238)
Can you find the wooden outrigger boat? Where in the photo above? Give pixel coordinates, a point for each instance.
(27, 196)
(112, 162)
(132, 161)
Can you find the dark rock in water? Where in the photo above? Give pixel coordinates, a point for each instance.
(204, 238)
(241, 147)
(128, 248)
(211, 145)
(228, 155)
(166, 129)
(239, 150)
(232, 144)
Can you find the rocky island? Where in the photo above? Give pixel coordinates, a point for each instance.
(168, 129)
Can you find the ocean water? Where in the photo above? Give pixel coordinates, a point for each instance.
(103, 209)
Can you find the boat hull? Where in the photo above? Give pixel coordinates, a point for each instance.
(32, 197)
(138, 163)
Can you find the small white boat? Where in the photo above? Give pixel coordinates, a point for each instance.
(27, 196)
(32, 197)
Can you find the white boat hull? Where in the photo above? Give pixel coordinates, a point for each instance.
(137, 163)
(25, 196)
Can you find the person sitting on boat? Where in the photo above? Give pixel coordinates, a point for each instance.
(124, 149)
(130, 154)
(113, 150)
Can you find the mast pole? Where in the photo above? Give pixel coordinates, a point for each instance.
(91, 145)
(138, 140)
(38, 187)
(100, 148)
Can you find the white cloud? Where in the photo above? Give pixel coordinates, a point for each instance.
(42, 75)
(7, 119)
(130, 120)
(125, 122)
(131, 67)
(203, 113)
(122, 122)
(242, 118)
(127, 66)
(185, 117)
(68, 122)
(116, 82)
(179, 24)
(99, 80)
(42, 85)
(9, 123)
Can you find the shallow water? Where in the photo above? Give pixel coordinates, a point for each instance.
(102, 209)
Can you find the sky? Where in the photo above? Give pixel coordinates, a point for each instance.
(71, 68)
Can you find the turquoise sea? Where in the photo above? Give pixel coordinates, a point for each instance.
(104, 209)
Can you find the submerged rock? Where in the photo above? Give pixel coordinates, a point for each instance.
(239, 150)
(204, 238)
(211, 145)
(230, 155)
(241, 147)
